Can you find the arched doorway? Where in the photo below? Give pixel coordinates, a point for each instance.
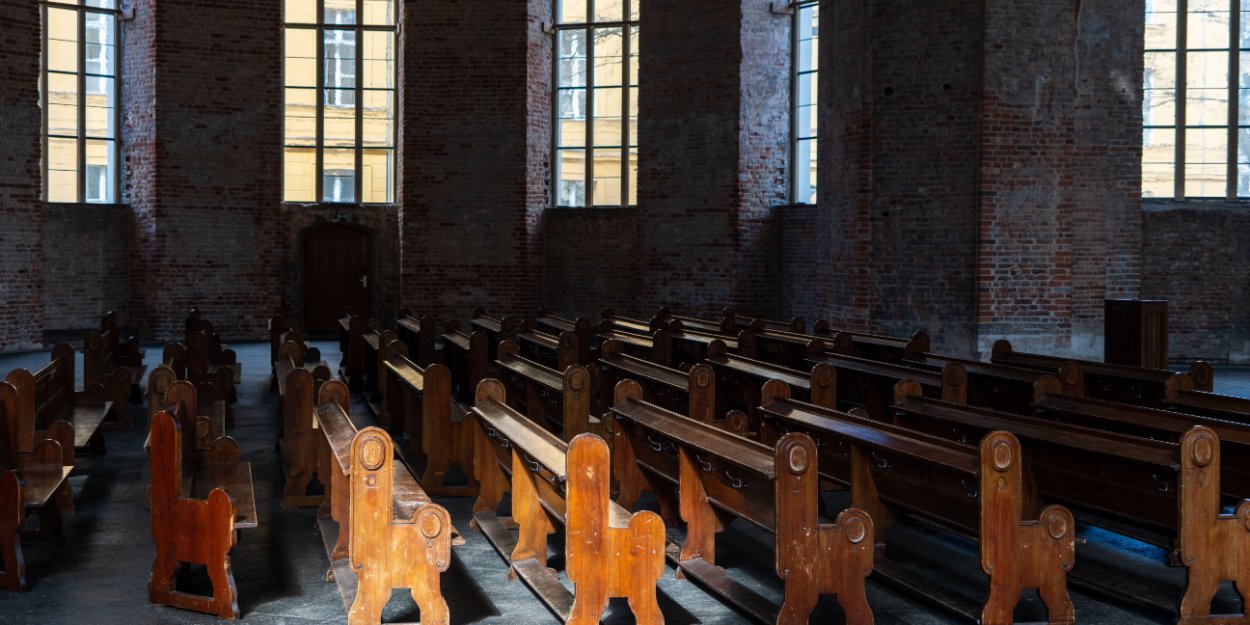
(337, 263)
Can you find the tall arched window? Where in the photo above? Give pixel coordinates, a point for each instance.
(340, 77)
(80, 101)
(596, 103)
(1196, 104)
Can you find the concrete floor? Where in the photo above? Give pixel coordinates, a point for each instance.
(100, 574)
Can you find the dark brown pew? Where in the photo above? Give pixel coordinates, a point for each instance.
(374, 347)
(115, 365)
(560, 402)
(198, 501)
(690, 392)
(299, 435)
(165, 388)
(690, 347)
(1134, 385)
(421, 336)
(33, 479)
(381, 530)
(976, 490)
(351, 346)
(1000, 387)
(496, 329)
(610, 321)
(199, 370)
(419, 402)
(869, 384)
(580, 327)
(873, 346)
(468, 357)
(1226, 407)
(216, 355)
(776, 487)
(740, 380)
(1171, 490)
(48, 401)
(608, 551)
(558, 351)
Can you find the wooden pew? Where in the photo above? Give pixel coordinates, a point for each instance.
(421, 336)
(374, 347)
(788, 349)
(556, 351)
(740, 380)
(380, 528)
(610, 321)
(873, 346)
(976, 490)
(656, 347)
(496, 329)
(208, 405)
(217, 355)
(419, 401)
(351, 346)
(776, 487)
(1000, 387)
(299, 436)
(468, 356)
(198, 502)
(690, 392)
(1227, 407)
(115, 365)
(690, 347)
(608, 551)
(34, 479)
(559, 400)
(1134, 385)
(200, 369)
(580, 327)
(295, 355)
(48, 401)
(1171, 490)
(869, 384)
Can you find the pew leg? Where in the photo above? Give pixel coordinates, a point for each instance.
(799, 601)
(854, 602)
(225, 593)
(1002, 601)
(1054, 594)
(645, 606)
(51, 524)
(588, 607)
(11, 513)
(163, 569)
(1196, 605)
(371, 598)
(427, 593)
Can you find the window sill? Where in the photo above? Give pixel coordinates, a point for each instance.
(1155, 205)
(102, 205)
(595, 209)
(339, 206)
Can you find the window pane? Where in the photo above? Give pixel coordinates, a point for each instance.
(609, 53)
(1245, 28)
(62, 102)
(1158, 162)
(62, 38)
(633, 10)
(380, 12)
(101, 4)
(340, 59)
(1160, 70)
(378, 170)
(339, 118)
(805, 171)
(1243, 94)
(338, 177)
(572, 114)
(1243, 162)
(100, 112)
(62, 170)
(101, 163)
(299, 175)
(301, 117)
(607, 173)
(633, 55)
(1160, 25)
(571, 189)
(572, 11)
(1206, 99)
(378, 119)
(379, 59)
(301, 57)
(608, 112)
(340, 11)
(1206, 158)
(572, 68)
(633, 116)
(633, 178)
(101, 49)
(301, 11)
(609, 10)
(1208, 24)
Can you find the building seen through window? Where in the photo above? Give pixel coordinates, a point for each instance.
(79, 98)
(596, 103)
(340, 77)
(803, 116)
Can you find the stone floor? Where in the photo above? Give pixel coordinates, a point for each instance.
(100, 574)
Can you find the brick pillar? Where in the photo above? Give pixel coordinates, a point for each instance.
(21, 236)
(476, 142)
(1061, 149)
(713, 131)
(203, 130)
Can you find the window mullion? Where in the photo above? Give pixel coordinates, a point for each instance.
(626, 80)
(82, 107)
(1234, 104)
(319, 134)
(589, 200)
(1182, 43)
(360, 100)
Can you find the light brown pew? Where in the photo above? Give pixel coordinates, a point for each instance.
(560, 402)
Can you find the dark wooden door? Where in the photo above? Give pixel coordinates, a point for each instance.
(336, 275)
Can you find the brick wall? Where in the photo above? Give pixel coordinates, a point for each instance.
(474, 188)
(86, 264)
(21, 237)
(590, 261)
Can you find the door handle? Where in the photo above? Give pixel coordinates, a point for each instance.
(364, 281)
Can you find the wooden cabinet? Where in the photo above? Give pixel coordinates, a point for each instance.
(1136, 333)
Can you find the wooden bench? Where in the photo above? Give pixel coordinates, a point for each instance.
(610, 321)
(560, 400)
(216, 355)
(690, 346)
(115, 365)
(1169, 489)
(740, 381)
(351, 339)
(1134, 385)
(299, 434)
(421, 336)
(47, 399)
(198, 502)
(873, 346)
(468, 357)
(381, 530)
(496, 329)
(776, 487)
(419, 402)
(374, 348)
(557, 351)
(1011, 389)
(208, 407)
(608, 551)
(690, 392)
(34, 479)
(1227, 407)
(580, 327)
(976, 490)
(869, 384)
(199, 369)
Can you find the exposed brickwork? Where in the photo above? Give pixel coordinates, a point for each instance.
(590, 261)
(1195, 257)
(206, 187)
(21, 232)
(473, 196)
(86, 264)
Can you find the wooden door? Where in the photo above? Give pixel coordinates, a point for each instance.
(336, 275)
